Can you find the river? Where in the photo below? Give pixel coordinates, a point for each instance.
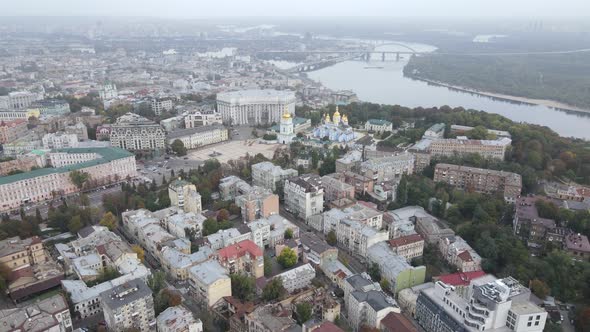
(384, 83)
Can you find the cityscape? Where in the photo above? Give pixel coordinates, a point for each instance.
(356, 169)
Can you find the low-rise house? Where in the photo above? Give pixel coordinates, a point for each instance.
(578, 246)
(458, 253)
(398, 272)
(297, 278)
(243, 257)
(409, 246)
(378, 125)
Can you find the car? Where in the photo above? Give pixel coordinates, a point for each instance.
(185, 158)
(167, 157)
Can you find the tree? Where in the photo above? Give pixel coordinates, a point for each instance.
(38, 217)
(243, 287)
(109, 221)
(178, 147)
(303, 311)
(222, 215)
(75, 224)
(84, 200)
(79, 178)
(374, 272)
(539, 288)
(287, 258)
(267, 266)
(384, 284)
(273, 290)
(139, 251)
(156, 281)
(288, 234)
(331, 238)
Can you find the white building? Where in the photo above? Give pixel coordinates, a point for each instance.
(22, 99)
(297, 278)
(136, 133)
(185, 196)
(435, 131)
(357, 238)
(198, 119)
(127, 306)
(359, 213)
(225, 237)
(304, 195)
(270, 232)
(160, 106)
(194, 138)
(378, 125)
(267, 175)
(388, 168)
(108, 91)
(255, 106)
(209, 282)
(178, 319)
(286, 133)
(60, 141)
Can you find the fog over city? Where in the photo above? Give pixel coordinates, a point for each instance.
(273, 8)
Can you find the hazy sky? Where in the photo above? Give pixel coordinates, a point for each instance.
(201, 8)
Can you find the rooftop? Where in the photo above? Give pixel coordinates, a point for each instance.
(208, 272)
(234, 96)
(510, 178)
(192, 131)
(405, 240)
(126, 293)
(15, 244)
(378, 122)
(240, 249)
(461, 278)
(36, 317)
(577, 242)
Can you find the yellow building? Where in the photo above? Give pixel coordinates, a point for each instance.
(16, 254)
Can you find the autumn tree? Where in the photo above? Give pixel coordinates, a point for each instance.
(109, 221)
(539, 288)
(331, 238)
(79, 178)
(139, 251)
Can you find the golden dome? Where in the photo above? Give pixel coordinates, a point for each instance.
(344, 117)
(337, 113)
(287, 116)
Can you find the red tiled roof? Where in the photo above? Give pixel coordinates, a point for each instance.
(404, 240)
(240, 249)
(461, 278)
(395, 322)
(327, 327)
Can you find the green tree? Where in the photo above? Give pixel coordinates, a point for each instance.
(303, 311)
(79, 178)
(374, 271)
(287, 258)
(267, 266)
(539, 288)
(156, 281)
(75, 224)
(384, 284)
(178, 147)
(288, 233)
(331, 238)
(84, 200)
(109, 221)
(243, 287)
(210, 226)
(273, 290)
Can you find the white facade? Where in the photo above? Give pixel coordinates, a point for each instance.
(357, 238)
(198, 119)
(185, 196)
(108, 91)
(267, 175)
(297, 278)
(389, 168)
(161, 106)
(60, 141)
(255, 106)
(200, 136)
(304, 196)
(286, 133)
(136, 133)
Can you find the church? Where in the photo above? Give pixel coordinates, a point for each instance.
(336, 129)
(286, 132)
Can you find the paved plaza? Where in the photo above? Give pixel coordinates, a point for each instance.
(233, 150)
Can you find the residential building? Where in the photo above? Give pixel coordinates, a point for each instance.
(136, 133)
(110, 166)
(108, 91)
(297, 278)
(362, 184)
(408, 246)
(177, 263)
(395, 268)
(269, 176)
(396, 322)
(320, 326)
(270, 318)
(357, 238)
(401, 222)
(163, 105)
(527, 223)
(335, 189)
(23, 164)
(50, 314)
(185, 196)
(435, 131)
(461, 130)
(50, 107)
(432, 229)
(378, 125)
(359, 212)
(225, 237)
(407, 298)
(232, 186)
(197, 137)
(304, 196)
(127, 306)
(459, 254)
(498, 305)
(255, 106)
(490, 149)
(244, 257)
(317, 251)
(60, 141)
(11, 130)
(350, 162)
(198, 119)
(178, 319)
(480, 180)
(209, 282)
(388, 168)
(79, 129)
(578, 246)
(257, 203)
(270, 232)
(462, 281)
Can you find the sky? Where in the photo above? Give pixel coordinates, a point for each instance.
(276, 8)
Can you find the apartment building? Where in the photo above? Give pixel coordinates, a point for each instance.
(267, 175)
(50, 314)
(185, 196)
(356, 237)
(209, 282)
(163, 105)
(388, 168)
(244, 257)
(350, 162)
(110, 166)
(408, 246)
(527, 223)
(257, 203)
(480, 180)
(395, 268)
(270, 232)
(304, 195)
(432, 229)
(362, 184)
(11, 130)
(17, 254)
(502, 304)
(255, 106)
(378, 125)
(79, 129)
(359, 212)
(297, 278)
(135, 133)
(491, 149)
(335, 189)
(50, 107)
(129, 306)
(198, 119)
(178, 319)
(60, 141)
(197, 137)
(232, 186)
(225, 237)
(457, 252)
(578, 246)
(461, 130)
